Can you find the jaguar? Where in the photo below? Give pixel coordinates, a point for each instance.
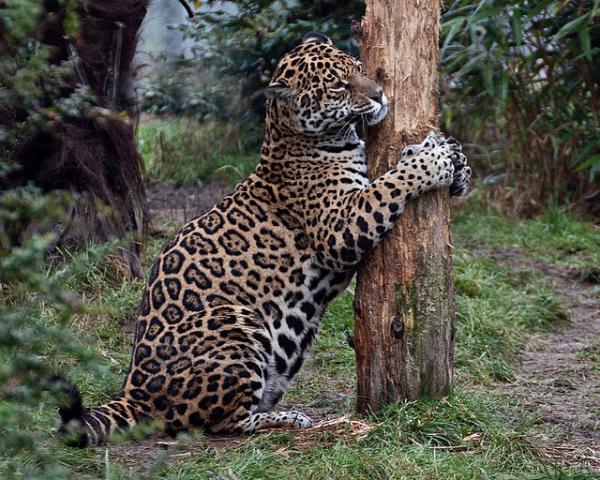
(233, 303)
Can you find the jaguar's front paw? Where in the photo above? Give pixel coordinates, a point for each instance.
(462, 172)
(443, 167)
(442, 157)
(431, 141)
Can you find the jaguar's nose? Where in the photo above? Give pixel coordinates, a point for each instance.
(376, 94)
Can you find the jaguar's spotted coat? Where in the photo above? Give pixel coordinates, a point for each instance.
(233, 303)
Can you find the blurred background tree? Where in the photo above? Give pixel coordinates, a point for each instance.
(68, 121)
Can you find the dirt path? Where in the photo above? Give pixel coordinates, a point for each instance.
(558, 382)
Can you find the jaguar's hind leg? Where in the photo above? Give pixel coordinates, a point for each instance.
(258, 421)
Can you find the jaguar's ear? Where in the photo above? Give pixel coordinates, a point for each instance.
(317, 37)
(279, 90)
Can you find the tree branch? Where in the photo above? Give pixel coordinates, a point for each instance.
(187, 7)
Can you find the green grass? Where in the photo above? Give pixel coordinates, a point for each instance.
(496, 308)
(473, 434)
(455, 438)
(556, 237)
(182, 152)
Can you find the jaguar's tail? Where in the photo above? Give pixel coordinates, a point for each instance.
(82, 427)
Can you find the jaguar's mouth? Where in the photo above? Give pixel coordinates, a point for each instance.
(380, 110)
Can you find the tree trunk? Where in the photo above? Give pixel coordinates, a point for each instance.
(92, 153)
(405, 308)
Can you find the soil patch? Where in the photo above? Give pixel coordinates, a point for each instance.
(558, 381)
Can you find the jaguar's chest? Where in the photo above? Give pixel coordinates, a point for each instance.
(294, 319)
(346, 168)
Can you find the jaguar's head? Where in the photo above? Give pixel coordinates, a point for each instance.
(317, 90)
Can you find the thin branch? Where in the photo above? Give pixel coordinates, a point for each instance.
(79, 68)
(187, 7)
(117, 60)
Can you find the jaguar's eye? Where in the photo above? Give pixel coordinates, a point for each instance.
(338, 86)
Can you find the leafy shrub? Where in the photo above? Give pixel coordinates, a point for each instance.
(523, 77)
(35, 309)
(179, 89)
(30, 346)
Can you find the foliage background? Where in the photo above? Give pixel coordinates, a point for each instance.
(522, 80)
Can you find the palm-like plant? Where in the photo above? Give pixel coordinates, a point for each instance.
(526, 75)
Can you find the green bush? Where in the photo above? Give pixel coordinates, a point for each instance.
(179, 89)
(32, 93)
(31, 222)
(30, 345)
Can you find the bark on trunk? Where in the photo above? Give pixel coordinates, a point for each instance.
(404, 304)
